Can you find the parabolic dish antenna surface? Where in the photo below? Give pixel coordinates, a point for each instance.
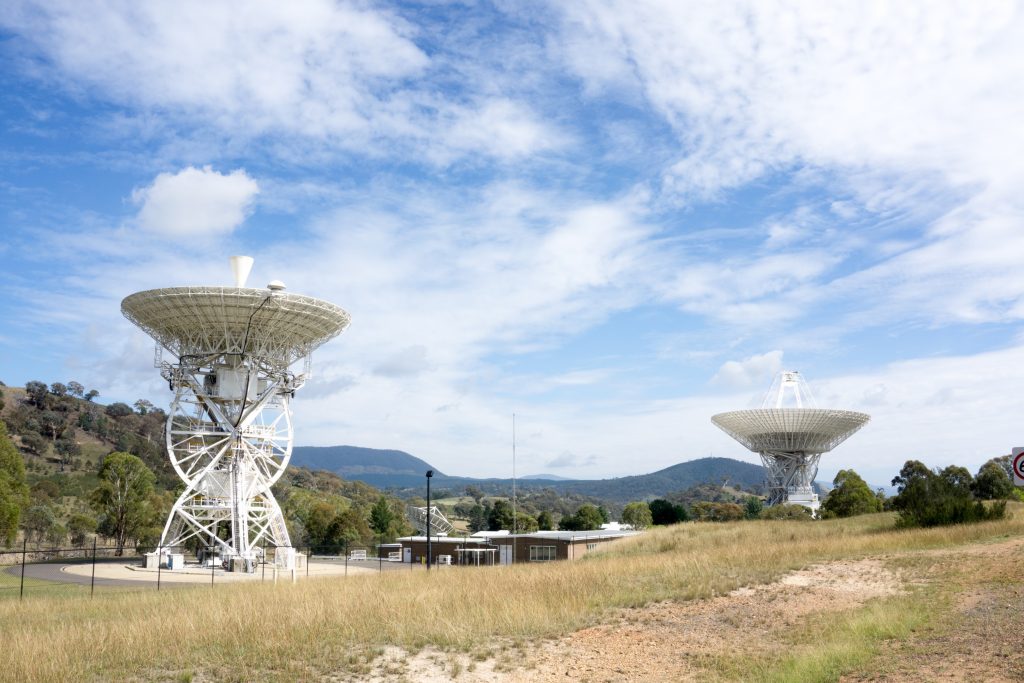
(276, 326)
(811, 430)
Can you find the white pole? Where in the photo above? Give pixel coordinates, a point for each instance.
(514, 520)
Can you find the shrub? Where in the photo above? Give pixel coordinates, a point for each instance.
(992, 482)
(119, 410)
(851, 496)
(586, 518)
(752, 507)
(663, 512)
(705, 511)
(787, 511)
(637, 515)
(928, 498)
(34, 443)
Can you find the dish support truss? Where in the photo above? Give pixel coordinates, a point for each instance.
(229, 437)
(790, 477)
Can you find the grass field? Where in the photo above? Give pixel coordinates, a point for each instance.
(337, 626)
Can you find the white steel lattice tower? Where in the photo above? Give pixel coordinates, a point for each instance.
(790, 433)
(229, 430)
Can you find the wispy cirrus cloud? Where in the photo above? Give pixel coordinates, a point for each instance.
(899, 107)
(749, 372)
(316, 71)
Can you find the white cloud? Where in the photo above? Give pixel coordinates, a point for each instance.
(195, 202)
(749, 372)
(330, 76)
(755, 86)
(312, 63)
(504, 129)
(756, 289)
(900, 108)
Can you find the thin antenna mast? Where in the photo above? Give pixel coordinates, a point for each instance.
(515, 520)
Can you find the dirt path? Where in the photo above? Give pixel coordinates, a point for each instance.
(982, 639)
(675, 641)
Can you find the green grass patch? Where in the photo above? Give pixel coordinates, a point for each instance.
(828, 646)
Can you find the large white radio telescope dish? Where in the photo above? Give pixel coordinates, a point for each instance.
(229, 430)
(790, 437)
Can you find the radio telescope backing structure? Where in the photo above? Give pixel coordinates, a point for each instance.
(439, 524)
(790, 437)
(229, 430)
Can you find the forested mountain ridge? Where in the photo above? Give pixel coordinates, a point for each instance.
(398, 470)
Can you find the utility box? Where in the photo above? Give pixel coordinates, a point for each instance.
(175, 561)
(231, 384)
(153, 560)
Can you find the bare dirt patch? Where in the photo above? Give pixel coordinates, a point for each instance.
(676, 641)
(978, 639)
(982, 638)
(665, 641)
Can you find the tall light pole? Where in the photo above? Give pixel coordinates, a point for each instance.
(430, 475)
(515, 521)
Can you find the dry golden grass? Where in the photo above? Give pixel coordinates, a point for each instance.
(288, 632)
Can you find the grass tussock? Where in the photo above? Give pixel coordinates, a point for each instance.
(285, 632)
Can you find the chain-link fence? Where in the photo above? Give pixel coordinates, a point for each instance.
(34, 571)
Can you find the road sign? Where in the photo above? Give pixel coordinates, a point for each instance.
(1017, 460)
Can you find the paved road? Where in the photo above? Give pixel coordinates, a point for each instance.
(51, 571)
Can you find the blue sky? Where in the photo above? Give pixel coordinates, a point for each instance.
(614, 219)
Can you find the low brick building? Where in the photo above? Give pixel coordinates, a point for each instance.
(542, 546)
(547, 546)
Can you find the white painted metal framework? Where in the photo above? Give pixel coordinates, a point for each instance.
(229, 430)
(790, 438)
(439, 524)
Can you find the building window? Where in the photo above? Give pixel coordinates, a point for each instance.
(591, 546)
(542, 553)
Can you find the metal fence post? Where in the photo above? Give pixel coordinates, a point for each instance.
(92, 581)
(213, 569)
(159, 567)
(264, 575)
(24, 550)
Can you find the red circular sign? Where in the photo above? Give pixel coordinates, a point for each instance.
(1018, 465)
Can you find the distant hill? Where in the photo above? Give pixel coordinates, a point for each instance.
(720, 471)
(397, 470)
(378, 467)
(546, 477)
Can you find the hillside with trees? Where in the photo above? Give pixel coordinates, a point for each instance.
(72, 468)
